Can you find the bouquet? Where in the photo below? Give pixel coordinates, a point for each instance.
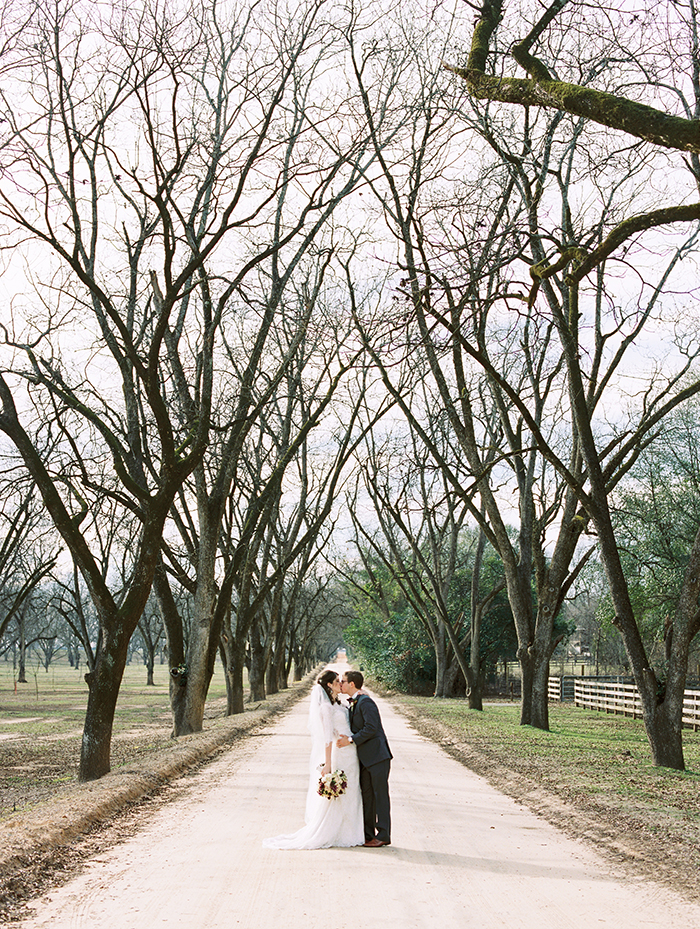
(332, 785)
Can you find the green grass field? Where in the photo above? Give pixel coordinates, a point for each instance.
(580, 738)
(56, 700)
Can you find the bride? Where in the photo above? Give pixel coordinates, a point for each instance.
(337, 822)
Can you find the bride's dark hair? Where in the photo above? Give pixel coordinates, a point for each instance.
(325, 680)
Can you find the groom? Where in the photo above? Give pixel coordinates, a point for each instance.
(375, 759)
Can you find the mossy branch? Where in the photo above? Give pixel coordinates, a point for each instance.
(541, 271)
(582, 263)
(541, 90)
(628, 228)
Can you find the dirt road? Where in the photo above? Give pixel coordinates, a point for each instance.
(463, 857)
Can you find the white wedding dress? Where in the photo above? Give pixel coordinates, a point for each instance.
(329, 823)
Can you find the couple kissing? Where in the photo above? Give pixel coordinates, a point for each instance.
(348, 797)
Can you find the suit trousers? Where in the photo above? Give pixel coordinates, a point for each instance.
(374, 784)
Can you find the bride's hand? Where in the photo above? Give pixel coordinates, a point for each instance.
(326, 769)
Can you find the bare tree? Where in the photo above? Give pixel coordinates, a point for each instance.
(165, 139)
(460, 234)
(150, 632)
(265, 330)
(69, 599)
(419, 518)
(287, 533)
(565, 273)
(24, 560)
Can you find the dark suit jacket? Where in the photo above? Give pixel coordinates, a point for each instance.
(368, 733)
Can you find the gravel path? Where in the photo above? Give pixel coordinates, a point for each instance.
(463, 856)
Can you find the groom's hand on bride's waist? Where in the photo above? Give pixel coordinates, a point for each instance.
(343, 741)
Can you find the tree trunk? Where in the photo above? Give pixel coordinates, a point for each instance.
(277, 675)
(475, 685)
(460, 659)
(662, 717)
(667, 745)
(662, 705)
(22, 672)
(204, 630)
(440, 660)
(475, 692)
(175, 645)
(150, 662)
(257, 668)
(526, 684)
(195, 695)
(475, 673)
(455, 685)
(235, 692)
(274, 648)
(475, 677)
(272, 674)
(541, 653)
(234, 663)
(178, 701)
(539, 713)
(103, 683)
(665, 735)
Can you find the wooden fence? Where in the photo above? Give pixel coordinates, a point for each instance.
(691, 709)
(607, 697)
(619, 698)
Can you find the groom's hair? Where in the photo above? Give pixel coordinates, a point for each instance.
(356, 678)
